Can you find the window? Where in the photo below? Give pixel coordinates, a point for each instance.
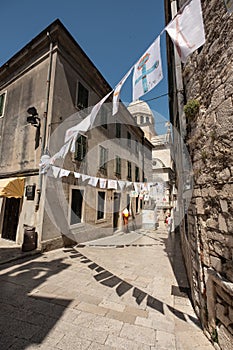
(118, 130)
(76, 206)
(141, 119)
(80, 148)
(82, 97)
(100, 205)
(129, 171)
(104, 117)
(136, 147)
(118, 165)
(148, 120)
(2, 103)
(103, 158)
(129, 139)
(137, 175)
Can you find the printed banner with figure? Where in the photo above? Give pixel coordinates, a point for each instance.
(147, 71)
(187, 30)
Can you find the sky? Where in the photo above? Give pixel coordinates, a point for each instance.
(114, 35)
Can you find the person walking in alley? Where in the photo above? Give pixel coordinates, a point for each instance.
(125, 215)
(169, 223)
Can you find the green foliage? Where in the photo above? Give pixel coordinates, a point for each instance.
(191, 109)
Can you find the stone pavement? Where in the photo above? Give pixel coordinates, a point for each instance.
(128, 291)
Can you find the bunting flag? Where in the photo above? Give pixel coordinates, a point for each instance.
(121, 184)
(77, 175)
(103, 183)
(64, 172)
(93, 181)
(55, 171)
(187, 30)
(86, 123)
(147, 71)
(85, 177)
(116, 94)
(112, 184)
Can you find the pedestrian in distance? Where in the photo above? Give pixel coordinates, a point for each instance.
(169, 223)
(125, 216)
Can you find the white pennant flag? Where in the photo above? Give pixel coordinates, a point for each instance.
(112, 184)
(87, 122)
(77, 175)
(116, 94)
(93, 181)
(103, 183)
(56, 171)
(85, 177)
(64, 172)
(121, 184)
(187, 30)
(147, 71)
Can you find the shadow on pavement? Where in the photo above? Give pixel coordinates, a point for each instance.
(27, 319)
(110, 280)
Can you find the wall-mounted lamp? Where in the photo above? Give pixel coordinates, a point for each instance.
(35, 121)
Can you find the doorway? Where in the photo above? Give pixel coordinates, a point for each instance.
(11, 218)
(116, 209)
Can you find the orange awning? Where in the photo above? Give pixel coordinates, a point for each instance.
(12, 187)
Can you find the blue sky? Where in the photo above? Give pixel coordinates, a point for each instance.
(113, 34)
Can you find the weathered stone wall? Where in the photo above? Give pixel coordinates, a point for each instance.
(208, 77)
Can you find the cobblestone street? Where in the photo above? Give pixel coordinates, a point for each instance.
(128, 291)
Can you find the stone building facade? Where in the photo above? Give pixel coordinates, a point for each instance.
(162, 159)
(205, 85)
(46, 88)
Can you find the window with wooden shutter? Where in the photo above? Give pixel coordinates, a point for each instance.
(80, 148)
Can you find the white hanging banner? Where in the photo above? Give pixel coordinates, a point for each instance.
(64, 172)
(103, 183)
(187, 30)
(93, 181)
(87, 122)
(116, 94)
(62, 153)
(147, 71)
(77, 175)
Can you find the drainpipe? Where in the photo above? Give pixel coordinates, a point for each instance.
(43, 141)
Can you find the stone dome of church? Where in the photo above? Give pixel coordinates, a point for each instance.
(139, 106)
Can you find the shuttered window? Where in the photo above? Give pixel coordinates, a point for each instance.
(80, 148)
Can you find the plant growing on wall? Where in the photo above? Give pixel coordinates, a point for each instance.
(191, 108)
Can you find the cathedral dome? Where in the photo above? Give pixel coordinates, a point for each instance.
(139, 106)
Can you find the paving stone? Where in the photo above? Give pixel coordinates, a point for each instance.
(121, 316)
(165, 340)
(96, 346)
(74, 343)
(108, 325)
(139, 334)
(94, 309)
(112, 305)
(125, 344)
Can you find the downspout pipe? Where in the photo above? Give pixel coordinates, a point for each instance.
(44, 138)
